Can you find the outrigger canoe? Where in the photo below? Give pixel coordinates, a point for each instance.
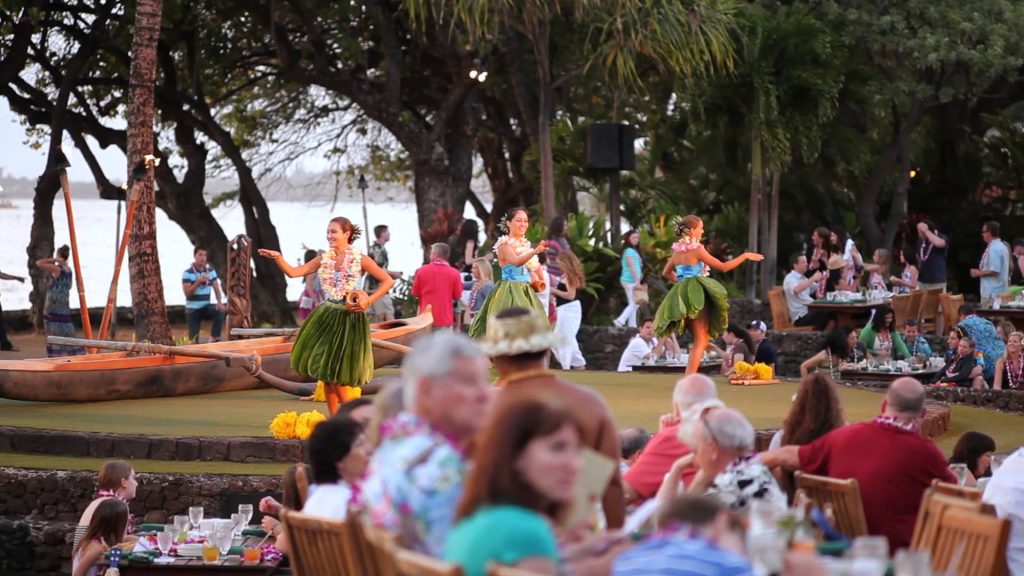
(124, 375)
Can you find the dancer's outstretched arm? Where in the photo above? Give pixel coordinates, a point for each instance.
(289, 270)
(704, 256)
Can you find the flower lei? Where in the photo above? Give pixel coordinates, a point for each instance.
(1015, 381)
(688, 244)
(337, 281)
(897, 423)
(922, 253)
(520, 246)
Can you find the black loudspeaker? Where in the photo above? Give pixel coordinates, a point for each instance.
(610, 147)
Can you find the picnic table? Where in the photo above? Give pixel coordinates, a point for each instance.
(706, 367)
(188, 566)
(852, 313)
(1015, 314)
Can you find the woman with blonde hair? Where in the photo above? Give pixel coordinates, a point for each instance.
(1010, 368)
(483, 283)
(570, 312)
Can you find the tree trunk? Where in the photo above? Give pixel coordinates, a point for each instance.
(442, 187)
(754, 213)
(143, 259)
(764, 228)
(41, 241)
(545, 112)
(771, 259)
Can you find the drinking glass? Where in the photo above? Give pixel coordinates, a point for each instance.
(870, 554)
(238, 523)
(960, 471)
(912, 563)
(195, 516)
(222, 537)
(164, 541)
(181, 527)
(247, 510)
(766, 551)
(211, 553)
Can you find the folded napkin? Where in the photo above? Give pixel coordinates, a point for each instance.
(256, 531)
(150, 528)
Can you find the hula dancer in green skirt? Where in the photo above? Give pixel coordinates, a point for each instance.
(695, 298)
(333, 344)
(520, 276)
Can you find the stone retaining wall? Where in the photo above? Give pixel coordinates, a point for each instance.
(128, 446)
(39, 509)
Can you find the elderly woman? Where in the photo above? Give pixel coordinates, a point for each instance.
(727, 468)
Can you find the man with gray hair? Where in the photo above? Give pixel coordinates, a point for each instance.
(438, 286)
(727, 468)
(890, 459)
(415, 476)
(691, 395)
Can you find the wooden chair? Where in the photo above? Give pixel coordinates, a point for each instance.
(950, 304)
(321, 547)
(957, 491)
(901, 308)
(933, 505)
(415, 564)
(780, 312)
(929, 319)
(843, 496)
(972, 542)
(914, 308)
(380, 548)
(495, 569)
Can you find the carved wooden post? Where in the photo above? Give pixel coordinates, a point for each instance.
(239, 283)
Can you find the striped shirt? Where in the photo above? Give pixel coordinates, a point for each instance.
(200, 297)
(677, 555)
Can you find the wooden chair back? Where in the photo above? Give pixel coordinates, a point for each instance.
(929, 315)
(957, 491)
(320, 547)
(950, 304)
(901, 308)
(495, 569)
(970, 542)
(380, 548)
(914, 308)
(842, 496)
(415, 564)
(780, 311)
(933, 504)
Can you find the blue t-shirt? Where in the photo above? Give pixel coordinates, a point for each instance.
(630, 255)
(502, 534)
(201, 295)
(677, 555)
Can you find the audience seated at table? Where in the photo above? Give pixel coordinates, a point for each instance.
(644, 347)
(799, 290)
(738, 348)
(764, 351)
(359, 409)
(727, 467)
(889, 457)
(295, 488)
(907, 281)
(700, 536)
(106, 529)
(985, 338)
(961, 369)
(387, 403)
(1010, 368)
(1004, 329)
(1006, 492)
(816, 411)
(416, 474)
(881, 338)
(632, 442)
(915, 342)
(975, 450)
(842, 348)
(691, 395)
(116, 480)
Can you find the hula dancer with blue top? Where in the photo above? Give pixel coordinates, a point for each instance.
(333, 344)
(695, 297)
(520, 280)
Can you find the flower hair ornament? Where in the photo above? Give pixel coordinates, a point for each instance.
(503, 225)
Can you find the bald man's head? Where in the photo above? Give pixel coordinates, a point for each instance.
(905, 397)
(692, 390)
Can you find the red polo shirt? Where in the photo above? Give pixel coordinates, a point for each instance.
(438, 285)
(656, 459)
(893, 467)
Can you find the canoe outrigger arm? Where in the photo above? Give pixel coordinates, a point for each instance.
(253, 363)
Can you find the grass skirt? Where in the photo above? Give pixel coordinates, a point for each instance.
(686, 300)
(506, 294)
(333, 346)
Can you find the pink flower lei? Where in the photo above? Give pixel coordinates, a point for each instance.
(337, 281)
(685, 244)
(520, 246)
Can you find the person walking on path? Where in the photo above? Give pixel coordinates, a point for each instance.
(57, 310)
(631, 277)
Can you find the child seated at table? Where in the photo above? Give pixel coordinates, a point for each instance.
(961, 368)
(106, 530)
(915, 342)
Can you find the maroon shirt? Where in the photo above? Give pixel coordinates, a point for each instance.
(892, 466)
(438, 285)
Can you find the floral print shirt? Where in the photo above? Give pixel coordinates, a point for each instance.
(986, 341)
(746, 479)
(414, 483)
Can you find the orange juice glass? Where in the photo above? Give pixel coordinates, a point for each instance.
(251, 554)
(210, 553)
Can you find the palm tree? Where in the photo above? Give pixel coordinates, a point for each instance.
(143, 259)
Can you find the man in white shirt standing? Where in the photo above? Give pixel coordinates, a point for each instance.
(797, 288)
(994, 268)
(1005, 491)
(643, 346)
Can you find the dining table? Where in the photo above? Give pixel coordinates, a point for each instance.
(190, 566)
(677, 367)
(852, 313)
(923, 375)
(1011, 312)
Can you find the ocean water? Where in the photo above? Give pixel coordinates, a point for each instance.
(298, 224)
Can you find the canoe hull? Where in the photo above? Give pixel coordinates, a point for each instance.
(121, 376)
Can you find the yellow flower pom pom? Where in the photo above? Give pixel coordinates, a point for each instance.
(283, 425)
(764, 371)
(306, 422)
(318, 394)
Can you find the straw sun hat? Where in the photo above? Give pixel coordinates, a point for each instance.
(836, 262)
(518, 335)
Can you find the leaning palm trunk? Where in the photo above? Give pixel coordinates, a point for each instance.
(143, 260)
